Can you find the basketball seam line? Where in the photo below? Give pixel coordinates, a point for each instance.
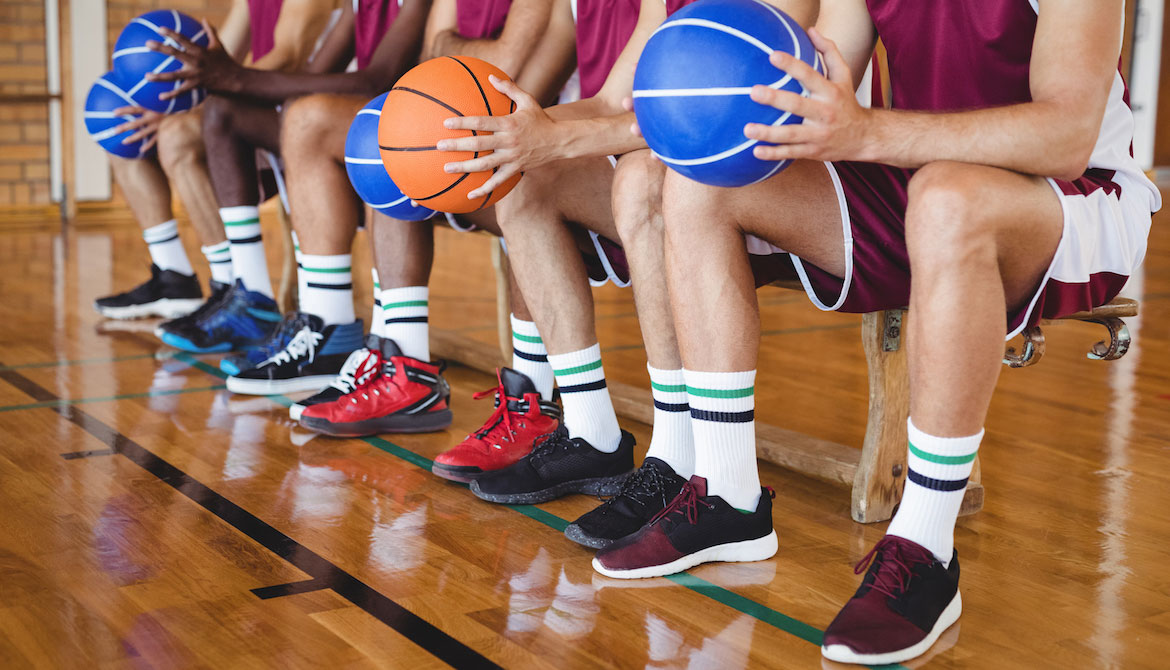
(487, 108)
(428, 97)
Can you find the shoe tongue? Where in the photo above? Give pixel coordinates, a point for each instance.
(217, 286)
(660, 465)
(389, 348)
(516, 384)
(311, 320)
(374, 342)
(700, 485)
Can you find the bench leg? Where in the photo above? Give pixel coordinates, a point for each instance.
(881, 473)
(286, 293)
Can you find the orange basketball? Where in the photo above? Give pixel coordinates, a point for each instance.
(412, 122)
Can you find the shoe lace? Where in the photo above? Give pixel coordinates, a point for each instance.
(685, 503)
(347, 378)
(368, 373)
(550, 443)
(303, 344)
(498, 427)
(896, 560)
(644, 485)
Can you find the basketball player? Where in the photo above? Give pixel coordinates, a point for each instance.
(564, 152)
(276, 43)
(1027, 205)
(521, 38)
(312, 344)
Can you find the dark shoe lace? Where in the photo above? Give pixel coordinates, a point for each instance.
(686, 504)
(894, 560)
(646, 484)
(549, 444)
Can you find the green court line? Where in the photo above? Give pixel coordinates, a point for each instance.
(80, 361)
(124, 396)
(731, 599)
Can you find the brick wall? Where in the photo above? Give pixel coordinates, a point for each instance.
(24, 126)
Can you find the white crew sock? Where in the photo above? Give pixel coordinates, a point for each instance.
(404, 320)
(300, 264)
(376, 326)
(588, 409)
(166, 249)
(219, 259)
(328, 287)
(936, 480)
(723, 419)
(529, 357)
(673, 440)
(249, 264)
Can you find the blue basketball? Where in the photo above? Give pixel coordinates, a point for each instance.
(134, 60)
(692, 87)
(107, 94)
(363, 163)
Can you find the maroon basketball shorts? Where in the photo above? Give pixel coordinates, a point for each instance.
(1106, 223)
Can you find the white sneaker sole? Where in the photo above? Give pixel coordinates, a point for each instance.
(758, 549)
(278, 386)
(168, 308)
(294, 411)
(843, 654)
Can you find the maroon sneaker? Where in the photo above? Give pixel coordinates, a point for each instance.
(905, 602)
(694, 528)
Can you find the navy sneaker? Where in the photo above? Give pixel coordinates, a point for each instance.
(244, 318)
(179, 325)
(167, 294)
(311, 360)
(253, 356)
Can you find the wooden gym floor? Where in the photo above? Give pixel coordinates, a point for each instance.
(151, 519)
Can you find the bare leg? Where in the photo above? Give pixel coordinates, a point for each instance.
(403, 251)
(232, 131)
(145, 186)
(183, 158)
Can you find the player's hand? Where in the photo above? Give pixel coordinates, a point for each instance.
(210, 67)
(520, 141)
(628, 105)
(835, 125)
(144, 127)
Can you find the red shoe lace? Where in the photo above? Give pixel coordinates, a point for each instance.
(687, 501)
(898, 558)
(501, 417)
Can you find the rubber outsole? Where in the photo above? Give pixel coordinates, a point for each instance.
(457, 473)
(295, 410)
(596, 486)
(578, 535)
(168, 308)
(245, 386)
(746, 551)
(843, 654)
(429, 422)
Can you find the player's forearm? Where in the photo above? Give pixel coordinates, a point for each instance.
(277, 87)
(597, 136)
(495, 51)
(1040, 138)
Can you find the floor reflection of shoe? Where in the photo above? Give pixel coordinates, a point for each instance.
(905, 602)
(167, 294)
(694, 528)
(218, 291)
(345, 381)
(309, 361)
(520, 417)
(407, 396)
(242, 319)
(643, 495)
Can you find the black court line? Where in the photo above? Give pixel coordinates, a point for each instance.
(410, 625)
(86, 454)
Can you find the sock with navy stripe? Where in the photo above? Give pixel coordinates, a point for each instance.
(328, 287)
(673, 440)
(723, 420)
(300, 264)
(529, 357)
(376, 327)
(219, 259)
(588, 410)
(249, 264)
(936, 480)
(404, 320)
(166, 249)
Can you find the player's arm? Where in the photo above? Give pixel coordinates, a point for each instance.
(295, 35)
(396, 52)
(526, 20)
(1073, 64)
(554, 58)
(235, 31)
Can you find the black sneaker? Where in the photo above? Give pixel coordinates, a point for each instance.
(694, 528)
(905, 602)
(557, 466)
(312, 358)
(218, 291)
(643, 495)
(347, 379)
(167, 294)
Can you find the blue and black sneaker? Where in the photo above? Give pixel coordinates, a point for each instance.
(243, 318)
(311, 360)
(253, 356)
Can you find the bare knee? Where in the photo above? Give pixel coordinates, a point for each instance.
(310, 125)
(217, 112)
(945, 221)
(535, 192)
(637, 196)
(180, 140)
(690, 208)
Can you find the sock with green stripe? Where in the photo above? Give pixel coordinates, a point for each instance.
(166, 249)
(376, 327)
(249, 264)
(300, 264)
(529, 357)
(673, 440)
(936, 480)
(723, 419)
(328, 287)
(404, 320)
(219, 259)
(588, 410)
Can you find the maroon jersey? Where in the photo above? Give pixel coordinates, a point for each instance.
(371, 20)
(481, 19)
(603, 28)
(262, 16)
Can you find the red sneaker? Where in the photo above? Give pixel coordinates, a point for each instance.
(408, 396)
(507, 436)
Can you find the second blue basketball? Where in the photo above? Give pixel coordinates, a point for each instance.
(363, 163)
(692, 87)
(134, 60)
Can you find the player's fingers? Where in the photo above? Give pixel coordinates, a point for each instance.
(517, 94)
(129, 110)
(473, 143)
(786, 101)
(142, 133)
(184, 43)
(628, 103)
(480, 164)
(783, 152)
(773, 134)
(801, 71)
(149, 143)
(838, 70)
(491, 123)
(495, 181)
(184, 87)
(212, 37)
(168, 50)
